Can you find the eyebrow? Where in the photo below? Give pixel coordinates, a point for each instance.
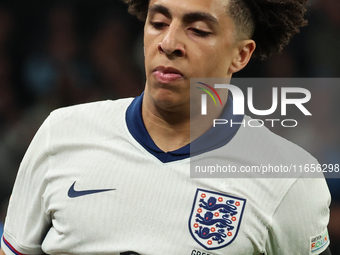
(199, 16)
(157, 8)
(187, 18)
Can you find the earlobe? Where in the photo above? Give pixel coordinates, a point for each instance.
(244, 52)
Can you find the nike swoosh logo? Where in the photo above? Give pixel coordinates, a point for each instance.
(74, 193)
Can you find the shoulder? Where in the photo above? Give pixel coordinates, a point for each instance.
(267, 146)
(294, 203)
(98, 109)
(274, 165)
(87, 122)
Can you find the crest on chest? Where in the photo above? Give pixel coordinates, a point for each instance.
(215, 218)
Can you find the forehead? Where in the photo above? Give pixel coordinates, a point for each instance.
(216, 8)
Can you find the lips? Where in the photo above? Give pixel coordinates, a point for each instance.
(167, 74)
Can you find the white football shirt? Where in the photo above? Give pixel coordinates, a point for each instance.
(93, 182)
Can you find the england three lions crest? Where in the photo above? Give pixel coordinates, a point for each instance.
(215, 218)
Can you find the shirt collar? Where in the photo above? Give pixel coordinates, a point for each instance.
(213, 139)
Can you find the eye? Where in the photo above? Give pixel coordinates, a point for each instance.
(158, 25)
(200, 33)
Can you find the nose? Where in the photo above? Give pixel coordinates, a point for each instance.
(172, 44)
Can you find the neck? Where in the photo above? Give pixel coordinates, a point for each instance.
(170, 128)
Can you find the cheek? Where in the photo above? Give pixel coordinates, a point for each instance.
(212, 58)
(147, 43)
(211, 63)
(220, 60)
(150, 39)
(150, 48)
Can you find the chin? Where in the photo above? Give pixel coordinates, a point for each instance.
(168, 96)
(170, 101)
(166, 100)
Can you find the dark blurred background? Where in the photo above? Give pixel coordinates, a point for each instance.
(58, 53)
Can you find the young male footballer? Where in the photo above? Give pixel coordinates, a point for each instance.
(113, 177)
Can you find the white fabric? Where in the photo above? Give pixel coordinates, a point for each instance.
(149, 210)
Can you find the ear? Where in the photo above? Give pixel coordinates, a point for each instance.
(243, 53)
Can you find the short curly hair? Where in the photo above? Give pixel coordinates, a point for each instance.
(270, 23)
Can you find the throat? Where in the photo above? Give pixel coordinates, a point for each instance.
(168, 143)
(168, 135)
